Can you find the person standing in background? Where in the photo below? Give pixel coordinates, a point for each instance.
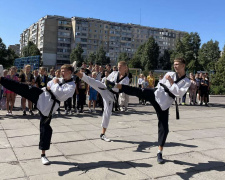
(192, 89)
(10, 96)
(140, 79)
(27, 78)
(151, 80)
(81, 91)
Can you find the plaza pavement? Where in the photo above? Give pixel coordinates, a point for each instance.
(195, 147)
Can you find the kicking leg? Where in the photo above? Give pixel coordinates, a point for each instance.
(29, 92)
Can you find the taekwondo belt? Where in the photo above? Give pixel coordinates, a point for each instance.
(53, 105)
(172, 96)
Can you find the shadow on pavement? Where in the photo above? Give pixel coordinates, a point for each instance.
(142, 146)
(199, 167)
(111, 165)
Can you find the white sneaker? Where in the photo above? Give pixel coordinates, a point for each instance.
(121, 109)
(8, 114)
(1, 70)
(45, 160)
(103, 137)
(89, 110)
(94, 111)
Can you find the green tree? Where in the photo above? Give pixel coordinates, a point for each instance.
(11, 57)
(135, 62)
(188, 48)
(123, 57)
(101, 57)
(218, 79)
(150, 55)
(76, 55)
(3, 52)
(165, 60)
(209, 55)
(91, 57)
(30, 50)
(7, 56)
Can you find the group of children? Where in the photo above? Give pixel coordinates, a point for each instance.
(200, 86)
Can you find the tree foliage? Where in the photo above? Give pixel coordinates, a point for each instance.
(209, 55)
(150, 55)
(76, 55)
(165, 60)
(7, 56)
(30, 50)
(101, 57)
(135, 62)
(188, 48)
(146, 57)
(91, 57)
(123, 57)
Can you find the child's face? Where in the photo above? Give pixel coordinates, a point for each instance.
(94, 76)
(5, 73)
(42, 72)
(12, 71)
(27, 69)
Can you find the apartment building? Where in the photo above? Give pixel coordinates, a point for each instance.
(56, 36)
(15, 48)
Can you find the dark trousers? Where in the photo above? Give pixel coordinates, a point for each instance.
(184, 98)
(163, 116)
(74, 100)
(31, 93)
(68, 104)
(81, 98)
(116, 103)
(45, 133)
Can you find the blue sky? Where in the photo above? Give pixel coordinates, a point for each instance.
(205, 17)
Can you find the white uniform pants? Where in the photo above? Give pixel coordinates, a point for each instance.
(123, 100)
(107, 97)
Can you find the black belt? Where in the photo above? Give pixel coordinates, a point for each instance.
(172, 96)
(53, 105)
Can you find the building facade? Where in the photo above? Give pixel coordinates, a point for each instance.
(56, 36)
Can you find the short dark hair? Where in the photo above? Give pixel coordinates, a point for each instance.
(180, 60)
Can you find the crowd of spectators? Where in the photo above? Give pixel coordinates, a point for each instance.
(84, 96)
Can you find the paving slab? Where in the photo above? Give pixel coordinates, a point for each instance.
(92, 160)
(79, 147)
(33, 152)
(7, 155)
(11, 170)
(111, 145)
(4, 143)
(35, 167)
(67, 137)
(22, 132)
(24, 141)
(117, 171)
(71, 174)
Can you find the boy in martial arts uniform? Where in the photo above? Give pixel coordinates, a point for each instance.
(107, 96)
(174, 84)
(47, 101)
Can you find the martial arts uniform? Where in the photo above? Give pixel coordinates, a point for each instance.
(114, 77)
(107, 96)
(161, 100)
(44, 99)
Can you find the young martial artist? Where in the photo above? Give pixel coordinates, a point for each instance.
(174, 84)
(46, 99)
(107, 96)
